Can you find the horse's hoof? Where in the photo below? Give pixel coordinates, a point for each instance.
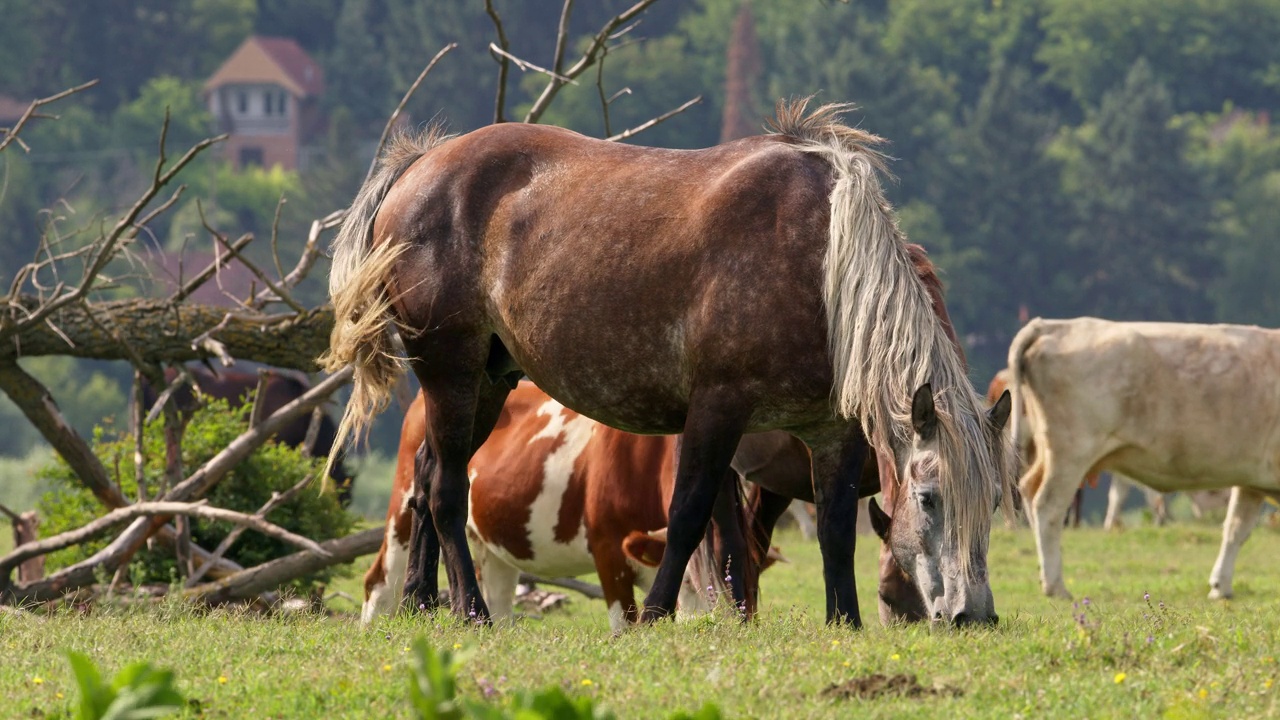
(1216, 593)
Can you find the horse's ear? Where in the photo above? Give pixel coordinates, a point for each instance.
(999, 413)
(924, 419)
(879, 520)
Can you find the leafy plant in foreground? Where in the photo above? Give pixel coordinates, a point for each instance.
(433, 692)
(138, 691)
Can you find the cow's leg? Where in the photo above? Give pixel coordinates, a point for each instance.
(800, 513)
(617, 581)
(1159, 508)
(1049, 511)
(712, 430)
(1116, 495)
(383, 581)
(1242, 515)
(497, 581)
(837, 467)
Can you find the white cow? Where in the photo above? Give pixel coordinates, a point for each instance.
(1173, 406)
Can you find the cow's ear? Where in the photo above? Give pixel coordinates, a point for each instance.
(924, 419)
(998, 415)
(879, 520)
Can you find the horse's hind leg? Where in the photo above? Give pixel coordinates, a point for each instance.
(422, 582)
(1242, 516)
(711, 433)
(462, 407)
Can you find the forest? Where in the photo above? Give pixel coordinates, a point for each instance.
(1056, 157)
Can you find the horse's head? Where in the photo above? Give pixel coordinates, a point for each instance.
(915, 522)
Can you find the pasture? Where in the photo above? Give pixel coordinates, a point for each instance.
(1178, 655)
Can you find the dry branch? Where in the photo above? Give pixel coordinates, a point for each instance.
(122, 549)
(592, 591)
(395, 114)
(11, 133)
(272, 574)
(115, 517)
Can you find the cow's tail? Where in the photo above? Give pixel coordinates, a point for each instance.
(1017, 376)
(362, 320)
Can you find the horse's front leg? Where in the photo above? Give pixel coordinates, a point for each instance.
(837, 465)
(712, 430)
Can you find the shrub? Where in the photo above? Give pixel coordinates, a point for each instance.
(271, 468)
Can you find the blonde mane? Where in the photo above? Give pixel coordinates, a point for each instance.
(884, 337)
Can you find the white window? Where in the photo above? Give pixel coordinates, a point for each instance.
(243, 102)
(282, 103)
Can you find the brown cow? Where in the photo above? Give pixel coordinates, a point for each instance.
(553, 493)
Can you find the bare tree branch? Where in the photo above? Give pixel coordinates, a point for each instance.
(501, 99)
(197, 509)
(395, 115)
(587, 60)
(11, 134)
(646, 125)
(269, 575)
(105, 249)
(277, 499)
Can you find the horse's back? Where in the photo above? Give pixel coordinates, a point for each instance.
(601, 266)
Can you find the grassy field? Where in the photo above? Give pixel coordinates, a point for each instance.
(1178, 655)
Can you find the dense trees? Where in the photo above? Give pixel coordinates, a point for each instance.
(1109, 157)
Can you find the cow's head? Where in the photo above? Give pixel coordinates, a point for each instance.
(913, 522)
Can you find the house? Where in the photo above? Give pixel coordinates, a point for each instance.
(266, 96)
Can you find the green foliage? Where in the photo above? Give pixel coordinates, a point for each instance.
(137, 692)
(433, 693)
(1142, 216)
(137, 122)
(271, 468)
(1204, 51)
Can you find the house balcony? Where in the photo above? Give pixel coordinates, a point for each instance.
(257, 126)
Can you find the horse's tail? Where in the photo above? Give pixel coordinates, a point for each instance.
(362, 319)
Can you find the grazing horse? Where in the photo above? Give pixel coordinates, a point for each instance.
(759, 284)
(280, 390)
(778, 467)
(1173, 406)
(554, 493)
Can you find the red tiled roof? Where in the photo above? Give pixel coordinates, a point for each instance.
(272, 60)
(295, 61)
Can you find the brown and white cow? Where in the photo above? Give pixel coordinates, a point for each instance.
(1173, 406)
(553, 493)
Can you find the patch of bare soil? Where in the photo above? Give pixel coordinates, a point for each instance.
(876, 685)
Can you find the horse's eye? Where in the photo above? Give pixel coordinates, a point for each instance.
(928, 499)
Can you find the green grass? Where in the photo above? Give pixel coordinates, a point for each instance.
(1203, 659)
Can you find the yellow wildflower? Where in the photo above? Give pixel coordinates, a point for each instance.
(1120, 677)
(58, 695)
(845, 663)
(895, 656)
(587, 683)
(222, 679)
(1203, 693)
(835, 643)
(1266, 684)
(457, 646)
(386, 667)
(37, 680)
